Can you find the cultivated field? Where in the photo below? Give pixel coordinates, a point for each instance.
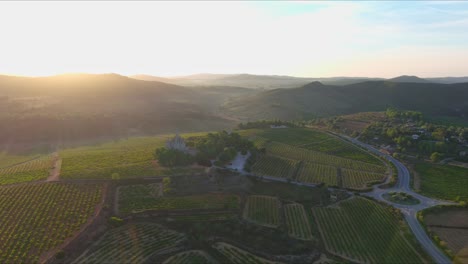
(312, 140)
(132, 243)
(443, 181)
(354, 179)
(236, 255)
(297, 222)
(365, 231)
(138, 198)
(130, 158)
(267, 165)
(191, 256)
(7, 160)
(450, 225)
(38, 218)
(297, 153)
(263, 210)
(317, 173)
(31, 170)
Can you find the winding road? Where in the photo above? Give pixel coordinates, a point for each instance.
(409, 211)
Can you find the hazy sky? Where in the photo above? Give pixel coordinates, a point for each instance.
(313, 39)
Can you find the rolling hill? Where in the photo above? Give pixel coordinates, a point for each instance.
(317, 99)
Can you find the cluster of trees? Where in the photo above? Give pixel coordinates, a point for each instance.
(221, 146)
(395, 113)
(268, 123)
(172, 157)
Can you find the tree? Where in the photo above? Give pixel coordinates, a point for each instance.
(435, 157)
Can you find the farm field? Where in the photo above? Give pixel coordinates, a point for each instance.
(7, 160)
(443, 181)
(267, 165)
(32, 170)
(131, 243)
(138, 198)
(37, 218)
(129, 158)
(317, 173)
(291, 152)
(210, 217)
(450, 225)
(354, 179)
(313, 140)
(365, 231)
(191, 256)
(263, 210)
(239, 256)
(297, 222)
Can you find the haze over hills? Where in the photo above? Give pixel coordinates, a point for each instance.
(70, 107)
(281, 81)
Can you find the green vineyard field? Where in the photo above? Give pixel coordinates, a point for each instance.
(365, 231)
(189, 257)
(236, 255)
(317, 173)
(138, 198)
(297, 222)
(267, 165)
(38, 218)
(443, 181)
(354, 179)
(131, 243)
(32, 170)
(130, 158)
(291, 152)
(7, 160)
(263, 210)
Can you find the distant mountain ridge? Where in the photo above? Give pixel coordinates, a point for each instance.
(282, 81)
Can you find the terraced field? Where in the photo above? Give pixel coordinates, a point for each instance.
(316, 173)
(189, 257)
(267, 165)
(138, 198)
(37, 218)
(354, 179)
(365, 231)
(236, 255)
(131, 243)
(263, 210)
(297, 222)
(32, 170)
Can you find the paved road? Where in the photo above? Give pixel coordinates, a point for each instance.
(409, 211)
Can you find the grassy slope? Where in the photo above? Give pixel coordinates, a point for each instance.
(443, 181)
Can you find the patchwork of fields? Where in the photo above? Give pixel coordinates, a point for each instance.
(239, 256)
(38, 218)
(365, 231)
(314, 157)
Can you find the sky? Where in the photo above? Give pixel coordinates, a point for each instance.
(309, 39)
